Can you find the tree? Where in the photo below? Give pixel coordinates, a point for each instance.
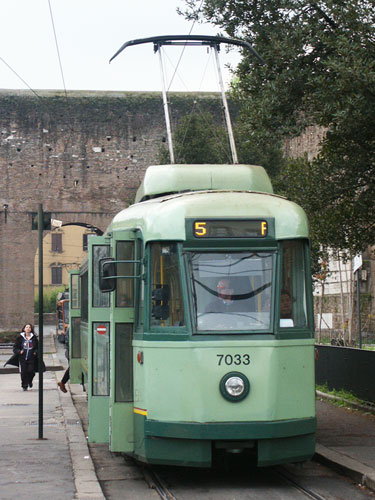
(198, 139)
(319, 70)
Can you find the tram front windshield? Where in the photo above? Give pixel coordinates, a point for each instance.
(232, 291)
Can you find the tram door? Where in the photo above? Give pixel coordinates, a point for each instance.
(75, 363)
(121, 393)
(99, 335)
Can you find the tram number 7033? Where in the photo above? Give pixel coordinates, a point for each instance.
(235, 359)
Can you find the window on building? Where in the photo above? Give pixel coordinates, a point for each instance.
(56, 242)
(56, 278)
(84, 242)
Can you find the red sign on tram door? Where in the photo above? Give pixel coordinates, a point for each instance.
(101, 329)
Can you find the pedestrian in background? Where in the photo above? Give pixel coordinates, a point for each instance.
(25, 355)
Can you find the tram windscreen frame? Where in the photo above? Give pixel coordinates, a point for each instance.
(232, 291)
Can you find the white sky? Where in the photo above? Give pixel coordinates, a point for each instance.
(89, 32)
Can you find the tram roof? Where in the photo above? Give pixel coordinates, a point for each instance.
(160, 180)
(163, 218)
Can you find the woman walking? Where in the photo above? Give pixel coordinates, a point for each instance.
(25, 355)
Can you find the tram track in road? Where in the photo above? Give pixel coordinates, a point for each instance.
(307, 481)
(307, 491)
(155, 482)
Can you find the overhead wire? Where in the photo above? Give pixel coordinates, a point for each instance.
(195, 103)
(22, 80)
(57, 47)
(184, 47)
(62, 75)
(70, 120)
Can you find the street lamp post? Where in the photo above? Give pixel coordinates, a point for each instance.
(40, 349)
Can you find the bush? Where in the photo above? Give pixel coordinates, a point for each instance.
(49, 299)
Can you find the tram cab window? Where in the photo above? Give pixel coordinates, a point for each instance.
(232, 291)
(166, 298)
(293, 285)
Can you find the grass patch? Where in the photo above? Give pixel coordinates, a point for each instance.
(343, 397)
(368, 347)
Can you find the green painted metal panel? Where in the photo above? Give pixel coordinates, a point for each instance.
(186, 444)
(171, 451)
(285, 450)
(121, 391)
(281, 376)
(231, 430)
(164, 218)
(163, 179)
(98, 405)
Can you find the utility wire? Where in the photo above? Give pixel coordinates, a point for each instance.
(63, 80)
(183, 50)
(18, 76)
(57, 47)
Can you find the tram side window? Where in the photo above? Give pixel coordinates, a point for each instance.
(99, 299)
(74, 290)
(124, 362)
(84, 297)
(125, 286)
(293, 285)
(75, 338)
(166, 298)
(101, 344)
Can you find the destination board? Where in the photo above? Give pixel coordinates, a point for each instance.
(230, 228)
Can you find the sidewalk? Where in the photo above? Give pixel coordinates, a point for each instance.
(346, 442)
(60, 465)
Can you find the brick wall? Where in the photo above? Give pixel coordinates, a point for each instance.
(83, 157)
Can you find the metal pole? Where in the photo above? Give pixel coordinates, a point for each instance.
(40, 349)
(359, 310)
(225, 106)
(165, 104)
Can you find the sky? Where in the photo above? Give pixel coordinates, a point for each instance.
(88, 33)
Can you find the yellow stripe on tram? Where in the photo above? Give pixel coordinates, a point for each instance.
(140, 411)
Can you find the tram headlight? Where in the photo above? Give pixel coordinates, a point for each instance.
(234, 386)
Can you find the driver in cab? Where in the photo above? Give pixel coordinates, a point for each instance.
(224, 302)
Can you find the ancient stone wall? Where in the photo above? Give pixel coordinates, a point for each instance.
(82, 156)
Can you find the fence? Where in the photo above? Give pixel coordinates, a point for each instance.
(347, 368)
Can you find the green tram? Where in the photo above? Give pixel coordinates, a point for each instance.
(192, 322)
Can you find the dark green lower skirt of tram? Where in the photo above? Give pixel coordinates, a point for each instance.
(193, 444)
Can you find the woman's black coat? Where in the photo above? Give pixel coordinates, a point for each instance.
(17, 346)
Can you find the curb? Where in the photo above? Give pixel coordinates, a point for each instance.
(85, 479)
(4, 370)
(343, 464)
(358, 472)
